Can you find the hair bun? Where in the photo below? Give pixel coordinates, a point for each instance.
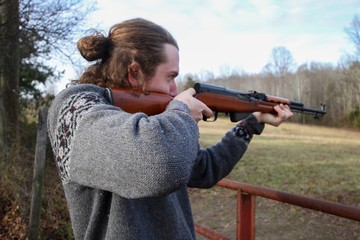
(93, 47)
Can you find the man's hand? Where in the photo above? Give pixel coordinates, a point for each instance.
(197, 108)
(283, 114)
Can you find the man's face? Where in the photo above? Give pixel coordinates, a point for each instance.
(164, 79)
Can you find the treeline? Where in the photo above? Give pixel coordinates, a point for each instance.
(338, 87)
(312, 84)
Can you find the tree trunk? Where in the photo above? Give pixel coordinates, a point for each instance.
(9, 72)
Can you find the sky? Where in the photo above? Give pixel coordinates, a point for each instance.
(225, 35)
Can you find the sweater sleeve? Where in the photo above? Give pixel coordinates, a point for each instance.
(216, 162)
(98, 145)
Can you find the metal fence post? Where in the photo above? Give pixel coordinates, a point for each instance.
(245, 216)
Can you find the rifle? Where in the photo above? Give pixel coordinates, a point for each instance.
(237, 104)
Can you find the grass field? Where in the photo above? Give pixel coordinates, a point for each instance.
(313, 161)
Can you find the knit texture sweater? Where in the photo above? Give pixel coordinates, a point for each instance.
(125, 176)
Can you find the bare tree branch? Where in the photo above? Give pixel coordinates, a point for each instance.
(281, 62)
(353, 33)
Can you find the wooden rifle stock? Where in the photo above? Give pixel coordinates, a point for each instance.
(236, 103)
(134, 100)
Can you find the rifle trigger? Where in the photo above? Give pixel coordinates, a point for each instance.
(212, 119)
(215, 116)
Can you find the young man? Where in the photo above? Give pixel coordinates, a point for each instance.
(125, 176)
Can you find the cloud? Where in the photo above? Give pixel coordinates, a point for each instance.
(252, 23)
(241, 34)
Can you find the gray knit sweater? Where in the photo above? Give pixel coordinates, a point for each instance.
(125, 176)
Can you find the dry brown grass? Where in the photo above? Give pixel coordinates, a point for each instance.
(314, 161)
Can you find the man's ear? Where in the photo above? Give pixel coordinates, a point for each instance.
(134, 74)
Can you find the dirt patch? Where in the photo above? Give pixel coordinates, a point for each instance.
(216, 209)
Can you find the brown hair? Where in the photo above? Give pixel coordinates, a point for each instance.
(135, 40)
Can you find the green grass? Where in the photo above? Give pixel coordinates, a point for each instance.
(313, 161)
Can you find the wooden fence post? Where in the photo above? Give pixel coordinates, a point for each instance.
(38, 178)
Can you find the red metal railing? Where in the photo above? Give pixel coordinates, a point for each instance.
(245, 229)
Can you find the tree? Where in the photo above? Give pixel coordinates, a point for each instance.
(186, 82)
(281, 62)
(353, 33)
(9, 72)
(48, 28)
(352, 71)
(30, 31)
